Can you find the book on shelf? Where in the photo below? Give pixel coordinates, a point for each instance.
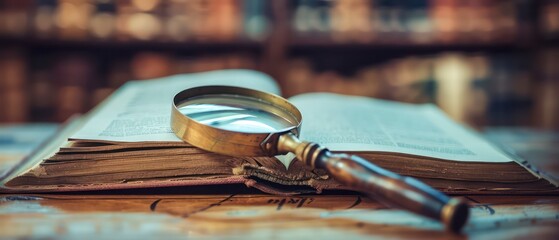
(127, 142)
(13, 89)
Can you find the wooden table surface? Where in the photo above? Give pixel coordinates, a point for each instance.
(262, 217)
(168, 215)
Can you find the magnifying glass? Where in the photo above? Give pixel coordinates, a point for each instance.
(244, 122)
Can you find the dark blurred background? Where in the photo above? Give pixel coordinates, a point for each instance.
(484, 62)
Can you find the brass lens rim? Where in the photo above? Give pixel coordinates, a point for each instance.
(231, 142)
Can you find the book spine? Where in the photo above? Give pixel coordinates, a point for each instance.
(103, 20)
(44, 19)
(256, 24)
(14, 17)
(74, 78)
(547, 92)
(72, 18)
(13, 90)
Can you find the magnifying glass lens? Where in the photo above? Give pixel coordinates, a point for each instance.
(237, 113)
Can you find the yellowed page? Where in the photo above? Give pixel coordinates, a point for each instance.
(346, 123)
(141, 110)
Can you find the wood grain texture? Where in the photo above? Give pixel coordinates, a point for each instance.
(262, 217)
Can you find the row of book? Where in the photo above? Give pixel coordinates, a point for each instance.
(13, 94)
(417, 21)
(55, 88)
(477, 89)
(161, 20)
(548, 92)
(549, 19)
(229, 20)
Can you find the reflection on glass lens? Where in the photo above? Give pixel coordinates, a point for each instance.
(235, 113)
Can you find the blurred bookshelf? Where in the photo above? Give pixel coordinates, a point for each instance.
(484, 62)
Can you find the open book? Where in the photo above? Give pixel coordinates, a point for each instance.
(127, 142)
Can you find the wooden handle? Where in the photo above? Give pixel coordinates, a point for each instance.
(393, 189)
(386, 186)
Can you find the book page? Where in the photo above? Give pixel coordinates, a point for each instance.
(141, 110)
(346, 123)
